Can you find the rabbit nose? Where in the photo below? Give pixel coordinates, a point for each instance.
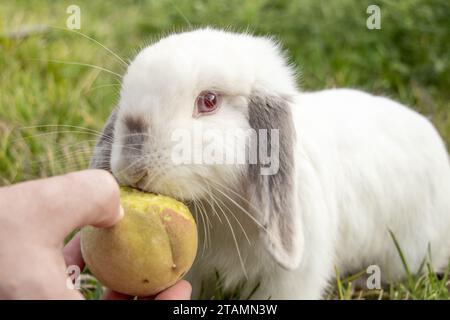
(132, 175)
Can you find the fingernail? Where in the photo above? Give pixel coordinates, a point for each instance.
(121, 212)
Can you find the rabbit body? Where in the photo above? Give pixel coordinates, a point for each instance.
(352, 167)
(366, 165)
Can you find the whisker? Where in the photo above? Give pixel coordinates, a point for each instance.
(96, 42)
(211, 195)
(62, 158)
(237, 220)
(204, 231)
(76, 63)
(62, 147)
(181, 14)
(235, 238)
(59, 125)
(197, 211)
(89, 132)
(240, 207)
(237, 194)
(104, 86)
(205, 227)
(137, 134)
(133, 163)
(193, 204)
(241, 260)
(208, 222)
(54, 132)
(204, 210)
(216, 199)
(124, 146)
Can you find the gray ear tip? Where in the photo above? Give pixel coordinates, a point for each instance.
(287, 260)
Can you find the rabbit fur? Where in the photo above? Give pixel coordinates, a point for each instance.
(352, 167)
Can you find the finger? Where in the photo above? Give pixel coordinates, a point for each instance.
(72, 253)
(35, 273)
(109, 294)
(64, 203)
(180, 291)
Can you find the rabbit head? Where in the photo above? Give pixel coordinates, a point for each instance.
(182, 98)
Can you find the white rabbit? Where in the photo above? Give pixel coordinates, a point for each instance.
(352, 166)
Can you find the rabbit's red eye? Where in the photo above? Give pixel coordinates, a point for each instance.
(206, 103)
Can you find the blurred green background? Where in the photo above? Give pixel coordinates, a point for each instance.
(49, 110)
(408, 59)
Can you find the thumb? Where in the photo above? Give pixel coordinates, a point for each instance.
(64, 203)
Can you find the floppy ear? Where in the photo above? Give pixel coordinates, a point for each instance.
(274, 196)
(101, 157)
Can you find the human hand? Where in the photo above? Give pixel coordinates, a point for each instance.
(36, 216)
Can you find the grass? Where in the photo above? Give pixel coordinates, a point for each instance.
(48, 108)
(424, 284)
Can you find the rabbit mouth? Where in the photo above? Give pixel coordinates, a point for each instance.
(161, 185)
(142, 181)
